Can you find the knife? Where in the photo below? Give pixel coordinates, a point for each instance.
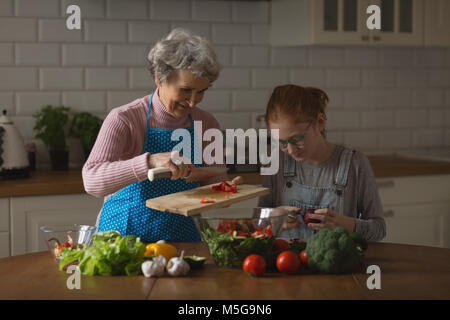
(194, 175)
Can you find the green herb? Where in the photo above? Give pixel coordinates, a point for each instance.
(50, 122)
(85, 127)
(230, 251)
(110, 254)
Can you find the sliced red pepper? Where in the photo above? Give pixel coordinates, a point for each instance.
(207, 201)
(226, 187)
(256, 233)
(268, 231)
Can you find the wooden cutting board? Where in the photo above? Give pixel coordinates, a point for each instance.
(188, 202)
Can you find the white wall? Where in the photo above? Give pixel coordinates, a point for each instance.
(382, 99)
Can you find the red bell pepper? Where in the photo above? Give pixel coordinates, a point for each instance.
(204, 200)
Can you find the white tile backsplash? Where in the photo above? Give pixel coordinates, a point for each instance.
(6, 54)
(19, 78)
(28, 103)
(7, 102)
(164, 10)
(269, 78)
(130, 9)
(251, 56)
(89, 8)
(231, 33)
(147, 32)
(83, 55)
(6, 8)
(124, 55)
(61, 78)
(51, 30)
(248, 12)
(38, 54)
(28, 8)
(105, 31)
(80, 101)
(106, 78)
(381, 98)
(217, 11)
(18, 29)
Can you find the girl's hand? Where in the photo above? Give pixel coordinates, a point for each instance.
(331, 219)
(291, 221)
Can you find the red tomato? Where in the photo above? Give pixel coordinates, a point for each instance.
(281, 245)
(304, 258)
(288, 262)
(254, 265)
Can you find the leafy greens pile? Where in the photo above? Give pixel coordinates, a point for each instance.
(231, 251)
(109, 254)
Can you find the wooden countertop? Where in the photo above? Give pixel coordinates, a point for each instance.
(407, 272)
(47, 182)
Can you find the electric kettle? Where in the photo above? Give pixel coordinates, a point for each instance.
(13, 155)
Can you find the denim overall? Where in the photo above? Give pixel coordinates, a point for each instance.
(126, 211)
(311, 197)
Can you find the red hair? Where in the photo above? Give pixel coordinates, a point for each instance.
(298, 104)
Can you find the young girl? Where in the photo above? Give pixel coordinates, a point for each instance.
(337, 182)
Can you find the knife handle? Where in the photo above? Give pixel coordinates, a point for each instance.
(157, 173)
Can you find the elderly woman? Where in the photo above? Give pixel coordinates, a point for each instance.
(137, 136)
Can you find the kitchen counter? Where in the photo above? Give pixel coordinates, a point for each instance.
(47, 182)
(407, 272)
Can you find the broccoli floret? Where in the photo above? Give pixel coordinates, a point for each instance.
(333, 251)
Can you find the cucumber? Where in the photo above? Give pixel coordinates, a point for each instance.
(195, 262)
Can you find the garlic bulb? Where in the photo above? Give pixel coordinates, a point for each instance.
(161, 260)
(152, 268)
(177, 266)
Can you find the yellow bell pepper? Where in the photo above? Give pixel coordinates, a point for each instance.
(166, 250)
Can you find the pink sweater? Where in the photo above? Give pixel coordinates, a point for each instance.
(116, 160)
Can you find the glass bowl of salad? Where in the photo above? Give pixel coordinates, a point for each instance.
(66, 237)
(234, 233)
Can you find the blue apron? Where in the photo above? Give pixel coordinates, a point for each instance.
(125, 211)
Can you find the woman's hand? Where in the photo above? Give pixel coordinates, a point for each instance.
(237, 180)
(291, 221)
(164, 159)
(331, 219)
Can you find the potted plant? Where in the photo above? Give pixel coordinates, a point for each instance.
(85, 127)
(50, 122)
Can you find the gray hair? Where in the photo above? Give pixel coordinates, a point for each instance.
(181, 50)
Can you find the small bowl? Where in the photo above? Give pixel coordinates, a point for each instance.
(234, 233)
(78, 235)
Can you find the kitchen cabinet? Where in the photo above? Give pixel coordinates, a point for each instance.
(4, 228)
(344, 22)
(304, 22)
(402, 23)
(417, 209)
(27, 214)
(437, 23)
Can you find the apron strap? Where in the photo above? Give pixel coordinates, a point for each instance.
(289, 166)
(340, 180)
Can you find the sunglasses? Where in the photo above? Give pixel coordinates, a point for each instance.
(298, 141)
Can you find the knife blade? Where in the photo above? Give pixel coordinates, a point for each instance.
(196, 174)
